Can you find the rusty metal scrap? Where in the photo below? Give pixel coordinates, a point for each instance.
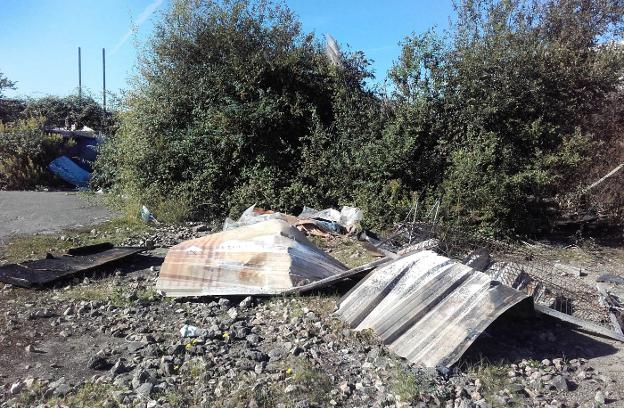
(428, 308)
(43, 271)
(263, 258)
(522, 267)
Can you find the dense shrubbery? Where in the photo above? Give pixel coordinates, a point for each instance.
(25, 151)
(69, 110)
(26, 148)
(232, 102)
(234, 105)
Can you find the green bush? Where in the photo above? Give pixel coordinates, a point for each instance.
(25, 152)
(508, 102)
(235, 105)
(226, 113)
(70, 110)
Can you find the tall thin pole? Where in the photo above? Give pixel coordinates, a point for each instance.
(79, 77)
(104, 78)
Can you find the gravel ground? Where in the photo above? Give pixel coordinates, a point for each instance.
(108, 339)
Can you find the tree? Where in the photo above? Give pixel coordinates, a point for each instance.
(227, 100)
(508, 100)
(58, 111)
(5, 83)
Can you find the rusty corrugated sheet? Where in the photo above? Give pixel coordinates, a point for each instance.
(426, 307)
(264, 258)
(44, 271)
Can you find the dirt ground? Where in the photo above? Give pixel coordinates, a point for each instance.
(30, 212)
(64, 347)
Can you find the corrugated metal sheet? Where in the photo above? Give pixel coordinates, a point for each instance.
(426, 307)
(43, 271)
(264, 258)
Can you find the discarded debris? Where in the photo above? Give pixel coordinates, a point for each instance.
(614, 308)
(331, 280)
(312, 222)
(605, 177)
(331, 220)
(610, 278)
(43, 271)
(354, 273)
(147, 216)
(478, 259)
(253, 215)
(263, 258)
(571, 270)
(68, 171)
(579, 324)
(428, 308)
(190, 331)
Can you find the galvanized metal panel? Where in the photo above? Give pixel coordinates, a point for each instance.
(264, 258)
(426, 307)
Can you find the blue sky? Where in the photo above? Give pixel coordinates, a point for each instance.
(39, 38)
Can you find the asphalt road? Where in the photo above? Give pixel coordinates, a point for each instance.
(29, 212)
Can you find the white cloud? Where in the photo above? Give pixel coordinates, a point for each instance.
(141, 18)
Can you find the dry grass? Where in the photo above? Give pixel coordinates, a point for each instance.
(347, 250)
(27, 247)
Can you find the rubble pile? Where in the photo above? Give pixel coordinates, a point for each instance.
(112, 338)
(245, 352)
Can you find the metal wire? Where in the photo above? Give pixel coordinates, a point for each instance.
(519, 266)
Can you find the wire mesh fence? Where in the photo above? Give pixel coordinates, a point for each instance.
(519, 266)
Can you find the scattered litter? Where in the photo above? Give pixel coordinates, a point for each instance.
(69, 171)
(321, 228)
(312, 222)
(332, 221)
(263, 258)
(570, 270)
(253, 215)
(428, 308)
(43, 271)
(147, 216)
(190, 331)
(429, 244)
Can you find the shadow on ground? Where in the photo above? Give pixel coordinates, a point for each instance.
(542, 337)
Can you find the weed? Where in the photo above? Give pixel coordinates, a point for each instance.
(89, 394)
(493, 377)
(405, 384)
(24, 247)
(316, 384)
(310, 383)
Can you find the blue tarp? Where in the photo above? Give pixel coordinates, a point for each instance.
(69, 171)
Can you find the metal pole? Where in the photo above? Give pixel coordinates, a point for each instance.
(104, 78)
(79, 77)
